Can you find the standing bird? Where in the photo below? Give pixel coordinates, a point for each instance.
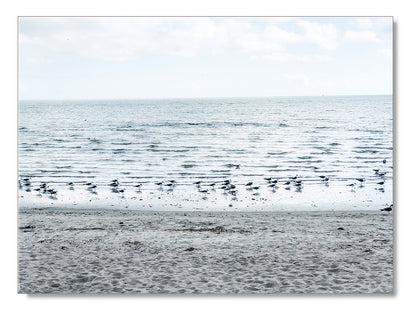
(390, 208)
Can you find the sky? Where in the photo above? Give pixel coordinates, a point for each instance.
(188, 57)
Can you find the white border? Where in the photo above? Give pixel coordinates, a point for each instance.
(399, 304)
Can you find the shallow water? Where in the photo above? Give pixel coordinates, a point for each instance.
(208, 140)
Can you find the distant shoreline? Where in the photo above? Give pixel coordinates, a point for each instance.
(187, 98)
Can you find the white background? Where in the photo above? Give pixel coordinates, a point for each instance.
(399, 304)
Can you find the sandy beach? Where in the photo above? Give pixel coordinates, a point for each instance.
(213, 155)
(126, 251)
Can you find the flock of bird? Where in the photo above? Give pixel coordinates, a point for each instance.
(228, 187)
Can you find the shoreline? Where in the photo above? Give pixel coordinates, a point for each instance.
(97, 210)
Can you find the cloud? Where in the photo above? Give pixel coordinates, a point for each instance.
(120, 39)
(361, 36)
(386, 52)
(274, 33)
(363, 23)
(297, 58)
(275, 38)
(298, 80)
(377, 24)
(127, 38)
(252, 42)
(322, 34)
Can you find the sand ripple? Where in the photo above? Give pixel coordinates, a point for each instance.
(222, 252)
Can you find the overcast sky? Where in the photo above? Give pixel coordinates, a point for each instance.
(87, 58)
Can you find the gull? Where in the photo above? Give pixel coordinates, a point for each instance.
(390, 208)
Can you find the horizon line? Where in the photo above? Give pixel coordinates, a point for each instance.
(202, 97)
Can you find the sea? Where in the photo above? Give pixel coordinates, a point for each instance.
(243, 154)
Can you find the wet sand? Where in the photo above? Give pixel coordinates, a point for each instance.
(125, 251)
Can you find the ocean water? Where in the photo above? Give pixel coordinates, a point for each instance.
(327, 153)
